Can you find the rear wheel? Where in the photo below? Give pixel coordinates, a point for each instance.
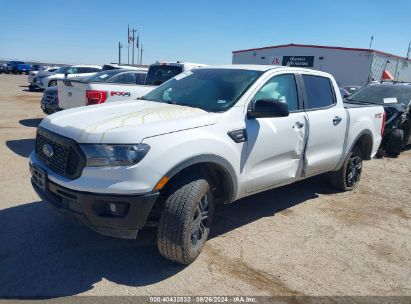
(185, 221)
(348, 177)
(395, 142)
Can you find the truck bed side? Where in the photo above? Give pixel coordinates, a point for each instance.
(364, 126)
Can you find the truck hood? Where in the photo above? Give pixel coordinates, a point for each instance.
(126, 122)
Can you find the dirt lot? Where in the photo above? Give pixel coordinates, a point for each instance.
(302, 239)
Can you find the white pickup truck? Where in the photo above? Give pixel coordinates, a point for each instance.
(208, 136)
(97, 90)
(103, 87)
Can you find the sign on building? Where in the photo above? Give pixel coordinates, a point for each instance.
(298, 61)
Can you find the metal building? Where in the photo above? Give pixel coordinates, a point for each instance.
(350, 66)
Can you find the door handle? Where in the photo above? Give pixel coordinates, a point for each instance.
(336, 120)
(299, 125)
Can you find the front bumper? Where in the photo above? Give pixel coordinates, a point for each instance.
(92, 208)
(49, 108)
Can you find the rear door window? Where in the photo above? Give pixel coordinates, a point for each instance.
(124, 78)
(319, 92)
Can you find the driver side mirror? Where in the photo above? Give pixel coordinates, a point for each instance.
(268, 108)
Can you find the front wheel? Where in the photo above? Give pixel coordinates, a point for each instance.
(395, 142)
(348, 177)
(185, 221)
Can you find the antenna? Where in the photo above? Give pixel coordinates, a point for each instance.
(372, 38)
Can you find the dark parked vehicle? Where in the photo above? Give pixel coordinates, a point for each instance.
(37, 67)
(50, 102)
(396, 100)
(3, 68)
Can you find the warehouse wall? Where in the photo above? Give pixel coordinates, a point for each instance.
(348, 67)
(399, 68)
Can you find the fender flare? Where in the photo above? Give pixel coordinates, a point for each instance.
(210, 158)
(354, 142)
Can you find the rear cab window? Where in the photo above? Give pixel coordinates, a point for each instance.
(157, 74)
(319, 92)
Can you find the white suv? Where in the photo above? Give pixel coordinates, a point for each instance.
(74, 71)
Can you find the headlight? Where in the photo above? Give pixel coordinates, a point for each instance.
(114, 155)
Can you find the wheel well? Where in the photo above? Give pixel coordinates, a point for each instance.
(364, 143)
(219, 179)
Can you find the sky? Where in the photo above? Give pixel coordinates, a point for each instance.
(88, 31)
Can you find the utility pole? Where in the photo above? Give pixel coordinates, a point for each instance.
(128, 44)
(119, 52)
(134, 38)
(141, 55)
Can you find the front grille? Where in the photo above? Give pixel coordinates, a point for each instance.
(67, 158)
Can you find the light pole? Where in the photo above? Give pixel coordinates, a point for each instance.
(132, 56)
(119, 52)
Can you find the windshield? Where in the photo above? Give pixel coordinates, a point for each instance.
(383, 94)
(62, 70)
(213, 90)
(157, 74)
(103, 76)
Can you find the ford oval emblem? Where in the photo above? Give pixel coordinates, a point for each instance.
(48, 150)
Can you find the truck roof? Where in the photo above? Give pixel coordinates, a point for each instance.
(177, 63)
(261, 67)
(86, 66)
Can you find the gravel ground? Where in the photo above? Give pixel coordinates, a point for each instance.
(302, 239)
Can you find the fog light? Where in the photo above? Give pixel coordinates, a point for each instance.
(117, 209)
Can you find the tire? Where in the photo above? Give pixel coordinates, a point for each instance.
(52, 83)
(348, 177)
(185, 221)
(395, 142)
(406, 135)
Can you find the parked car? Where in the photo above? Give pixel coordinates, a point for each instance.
(208, 136)
(49, 102)
(74, 71)
(3, 68)
(18, 67)
(352, 89)
(396, 100)
(103, 87)
(32, 78)
(40, 76)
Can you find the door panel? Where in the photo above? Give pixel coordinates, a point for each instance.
(274, 150)
(327, 125)
(325, 140)
(275, 146)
